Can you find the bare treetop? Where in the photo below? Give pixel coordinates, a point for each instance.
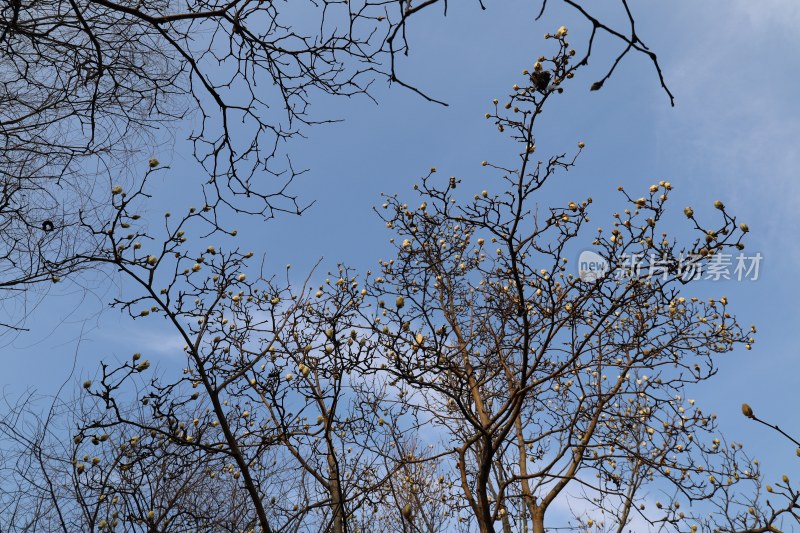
(96, 79)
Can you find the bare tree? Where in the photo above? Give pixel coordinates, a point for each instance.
(91, 77)
(266, 399)
(549, 386)
(135, 481)
(472, 383)
(89, 86)
(774, 507)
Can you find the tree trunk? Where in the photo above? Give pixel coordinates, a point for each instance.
(506, 524)
(337, 503)
(538, 520)
(485, 526)
(484, 514)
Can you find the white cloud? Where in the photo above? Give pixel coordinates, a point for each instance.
(735, 120)
(767, 15)
(148, 341)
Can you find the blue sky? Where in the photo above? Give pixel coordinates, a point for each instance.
(733, 66)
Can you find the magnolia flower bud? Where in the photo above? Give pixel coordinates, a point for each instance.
(407, 511)
(747, 410)
(689, 212)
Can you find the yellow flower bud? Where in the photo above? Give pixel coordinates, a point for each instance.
(406, 512)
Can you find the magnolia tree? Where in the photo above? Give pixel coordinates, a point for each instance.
(133, 482)
(90, 87)
(777, 510)
(547, 387)
(132, 68)
(472, 383)
(270, 408)
(248, 82)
